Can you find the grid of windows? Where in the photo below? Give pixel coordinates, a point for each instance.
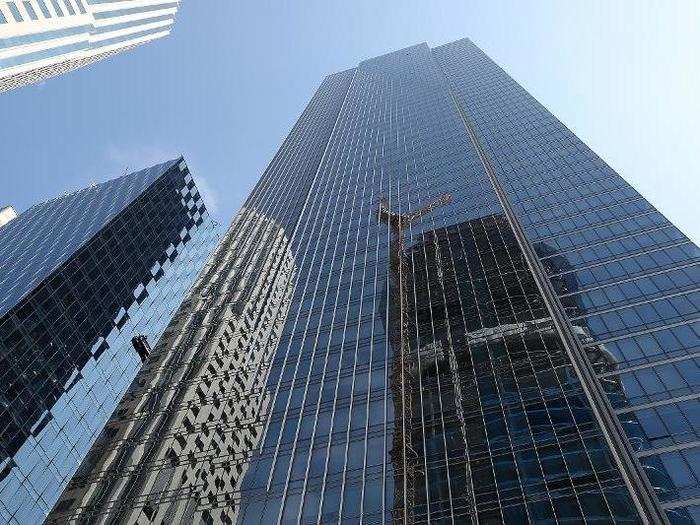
(73, 33)
(115, 260)
(53, 231)
(396, 407)
(207, 379)
(631, 279)
(409, 362)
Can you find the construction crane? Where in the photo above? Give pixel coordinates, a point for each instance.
(400, 221)
(398, 265)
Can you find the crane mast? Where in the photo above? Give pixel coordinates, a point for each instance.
(398, 265)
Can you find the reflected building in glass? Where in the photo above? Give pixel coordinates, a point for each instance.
(437, 306)
(80, 276)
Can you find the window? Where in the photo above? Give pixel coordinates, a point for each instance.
(15, 12)
(3, 20)
(57, 7)
(44, 9)
(30, 10)
(69, 6)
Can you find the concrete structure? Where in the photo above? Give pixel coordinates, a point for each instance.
(43, 38)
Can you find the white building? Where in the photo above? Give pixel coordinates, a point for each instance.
(43, 38)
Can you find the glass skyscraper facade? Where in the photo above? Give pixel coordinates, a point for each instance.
(80, 276)
(437, 306)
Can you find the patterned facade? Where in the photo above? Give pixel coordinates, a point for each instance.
(40, 39)
(473, 320)
(81, 276)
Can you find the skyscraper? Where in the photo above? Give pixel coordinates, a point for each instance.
(437, 306)
(81, 276)
(43, 38)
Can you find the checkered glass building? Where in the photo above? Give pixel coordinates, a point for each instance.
(80, 275)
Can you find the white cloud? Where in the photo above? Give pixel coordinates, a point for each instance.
(133, 158)
(209, 195)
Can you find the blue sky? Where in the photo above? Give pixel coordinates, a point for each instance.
(228, 84)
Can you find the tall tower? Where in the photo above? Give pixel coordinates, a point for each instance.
(443, 308)
(40, 39)
(81, 276)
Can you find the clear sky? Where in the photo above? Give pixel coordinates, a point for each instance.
(225, 88)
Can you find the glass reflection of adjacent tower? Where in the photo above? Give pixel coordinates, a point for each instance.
(192, 418)
(434, 391)
(403, 454)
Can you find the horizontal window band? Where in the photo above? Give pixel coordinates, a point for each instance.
(623, 257)
(671, 401)
(690, 502)
(134, 10)
(43, 36)
(665, 450)
(637, 277)
(126, 38)
(44, 54)
(637, 303)
(652, 364)
(134, 23)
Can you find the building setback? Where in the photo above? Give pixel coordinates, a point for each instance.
(437, 306)
(80, 276)
(40, 39)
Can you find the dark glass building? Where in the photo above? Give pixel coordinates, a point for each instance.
(437, 306)
(80, 276)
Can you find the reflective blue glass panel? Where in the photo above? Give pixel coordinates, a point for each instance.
(99, 267)
(437, 306)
